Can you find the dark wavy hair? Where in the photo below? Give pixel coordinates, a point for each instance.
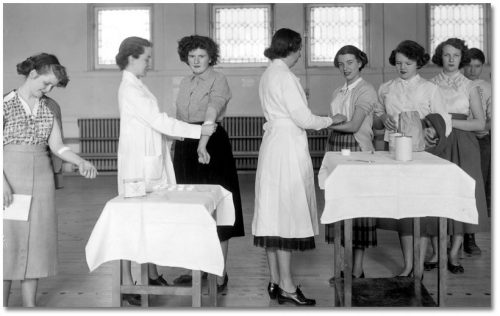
(190, 43)
(353, 50)
(283, 43)
(413, 51)
(131, 46)
(44, 63)
(437, 58)
(476, 53)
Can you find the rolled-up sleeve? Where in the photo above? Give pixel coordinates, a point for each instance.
(219, 95)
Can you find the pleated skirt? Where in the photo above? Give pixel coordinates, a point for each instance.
(30, 248)
(221, 170)
(364, 230)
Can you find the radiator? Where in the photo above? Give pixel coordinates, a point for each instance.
(99, 141)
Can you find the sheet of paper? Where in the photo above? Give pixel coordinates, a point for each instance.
(19, 210)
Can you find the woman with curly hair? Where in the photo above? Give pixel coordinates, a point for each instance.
(202, 99)
(409, 92)
(462, 97)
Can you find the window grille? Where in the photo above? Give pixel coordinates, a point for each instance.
(242, 32)
(112, 26)
(331, 27)
(465, 21)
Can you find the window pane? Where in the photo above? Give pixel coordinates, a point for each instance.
(114, 25)
(465, 21)
(242, 33)
(333, 27)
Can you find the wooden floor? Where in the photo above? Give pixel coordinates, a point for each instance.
(81, 201)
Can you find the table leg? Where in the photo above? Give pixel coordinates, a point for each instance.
(348, 260)
(443, 260)
(145, 282)
(116, 293)
(337, 264)
(417, 272)
(212, 289)
(196, 289)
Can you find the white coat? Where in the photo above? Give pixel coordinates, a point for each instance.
(285, 200)
(141, 128)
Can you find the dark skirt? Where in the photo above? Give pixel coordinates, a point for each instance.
(281, 243)
(462, 148)
(221, 170)
(364, 230)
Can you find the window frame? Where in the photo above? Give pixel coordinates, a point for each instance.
(93, 31)
(486, 27)
(214, 7)
(308, 7)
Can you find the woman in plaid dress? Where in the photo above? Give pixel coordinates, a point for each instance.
(354, 102)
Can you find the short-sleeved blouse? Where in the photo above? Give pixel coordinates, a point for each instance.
(456, 91)
(23, 126)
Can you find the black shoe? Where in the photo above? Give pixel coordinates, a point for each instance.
(159, 281)
(184, 279)
(428, 266)
(273, 289)
(204, 276)
(470, 246)
(455, 269)
(132, 299)
(223, 286)
(298, 298)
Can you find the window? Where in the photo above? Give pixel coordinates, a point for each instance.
(465, 21)
(332, 26)
(112, 24)
(243, 32)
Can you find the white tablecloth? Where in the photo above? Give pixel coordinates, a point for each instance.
(376, 185)
(170, 227)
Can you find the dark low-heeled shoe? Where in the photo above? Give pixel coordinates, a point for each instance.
(223, 286)
(455, 269)
(132, 299)
(297, 298)
(159, 281)
(184, 279)
(272, 289)
(428, 265)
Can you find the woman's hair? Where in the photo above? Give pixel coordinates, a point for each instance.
(284, 42)
(44, 63)
(353, 50)
(437, 58)
(413, 51)
(476, 53)
(131, 46)
(190, 43)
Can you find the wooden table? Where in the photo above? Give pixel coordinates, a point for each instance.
(172, 227)
(375, 185)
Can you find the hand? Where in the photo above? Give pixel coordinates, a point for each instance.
(430, 136)
(87, 169)
(338, 119)
(389, 123)
(7, 195)
(203, 155)
(208, 129)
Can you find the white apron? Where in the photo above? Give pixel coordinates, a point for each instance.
(284, 185)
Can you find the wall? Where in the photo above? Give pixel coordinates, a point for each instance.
(62, 29)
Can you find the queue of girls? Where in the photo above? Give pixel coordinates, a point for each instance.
(285, 215)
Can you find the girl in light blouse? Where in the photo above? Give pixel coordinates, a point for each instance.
(463, 102)
(409, 92)
(353, 103)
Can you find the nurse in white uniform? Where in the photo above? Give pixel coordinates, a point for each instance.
(285, 217)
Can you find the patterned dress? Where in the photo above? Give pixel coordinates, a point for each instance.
(29, 248)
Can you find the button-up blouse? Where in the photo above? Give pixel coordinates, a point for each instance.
(456, 91)
(23, 126)
(416, 94)
(359, 95)
(199, 92)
